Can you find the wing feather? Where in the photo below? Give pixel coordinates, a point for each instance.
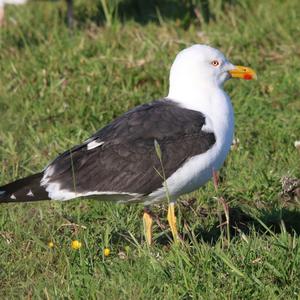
(126, 160)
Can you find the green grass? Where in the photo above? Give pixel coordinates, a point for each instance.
(57, 87)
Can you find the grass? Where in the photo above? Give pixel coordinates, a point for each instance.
(57, 87)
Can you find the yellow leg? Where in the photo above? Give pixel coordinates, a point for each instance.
(216, 180)
(172, 221)
(148, 227)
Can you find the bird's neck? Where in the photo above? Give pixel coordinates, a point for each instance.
(203, 97)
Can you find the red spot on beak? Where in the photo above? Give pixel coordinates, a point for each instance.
(248, 76)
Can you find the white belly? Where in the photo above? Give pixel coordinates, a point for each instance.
(194, 173)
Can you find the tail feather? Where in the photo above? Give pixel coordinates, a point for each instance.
(24, 190)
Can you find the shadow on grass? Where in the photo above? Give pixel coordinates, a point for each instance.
(144, 12)
(242, 223)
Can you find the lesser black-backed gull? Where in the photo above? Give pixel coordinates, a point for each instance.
(192, 128)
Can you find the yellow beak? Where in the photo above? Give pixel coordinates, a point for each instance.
(243, 72)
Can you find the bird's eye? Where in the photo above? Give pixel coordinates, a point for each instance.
(215, 63)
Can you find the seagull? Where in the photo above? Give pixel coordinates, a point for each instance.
(156, 151)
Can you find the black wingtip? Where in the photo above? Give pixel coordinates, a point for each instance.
(6, 197)
(3, 196)
(27, 189)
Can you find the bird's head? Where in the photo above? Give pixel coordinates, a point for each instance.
(201, 66)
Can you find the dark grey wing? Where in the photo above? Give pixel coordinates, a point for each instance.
(121, 157)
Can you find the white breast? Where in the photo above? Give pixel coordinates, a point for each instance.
(198, 169)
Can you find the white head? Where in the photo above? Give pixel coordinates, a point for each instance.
(201, 67)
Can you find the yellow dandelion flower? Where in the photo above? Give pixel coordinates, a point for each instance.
(50, 244)
(75, 245)
(106, 252)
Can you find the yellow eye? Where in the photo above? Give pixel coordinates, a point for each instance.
(215, 63)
